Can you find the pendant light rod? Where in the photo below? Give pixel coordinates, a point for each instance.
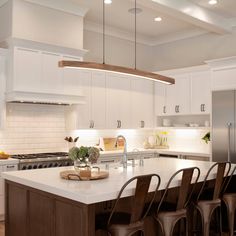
(135, 35)
(103, 29)
(118, 69)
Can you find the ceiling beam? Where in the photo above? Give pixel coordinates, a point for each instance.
(191, 13)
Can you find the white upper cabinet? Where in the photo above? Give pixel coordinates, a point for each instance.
(35, 76)
(201, 92)
(91, 114)
(27, 72)
(160, 99)
(142, 103)
(51, 73)
(98, 100)
(71, 82)
(178, 96)
(118, 101)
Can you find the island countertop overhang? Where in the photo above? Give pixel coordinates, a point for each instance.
(89, 192)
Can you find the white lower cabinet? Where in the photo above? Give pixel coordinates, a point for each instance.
(4, 168)
(142, 94)
(118, 101)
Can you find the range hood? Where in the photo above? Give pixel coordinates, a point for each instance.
(43, 98)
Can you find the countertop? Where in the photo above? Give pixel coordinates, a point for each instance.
(180, 151)
(8, 161)
(89, 192)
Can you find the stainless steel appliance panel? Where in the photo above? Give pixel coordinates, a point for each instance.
(223, 126)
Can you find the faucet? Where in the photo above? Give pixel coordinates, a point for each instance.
(124, 160)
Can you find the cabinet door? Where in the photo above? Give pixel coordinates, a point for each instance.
(83, 112)
(51, 73)
(178, 96)
(142, 99)
(98, 100)
(27, 70)
(118, 101)
(2, 90)
(71, 78)
(201, 92)
(160, 99)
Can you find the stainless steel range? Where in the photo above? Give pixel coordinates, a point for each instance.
(42, 160)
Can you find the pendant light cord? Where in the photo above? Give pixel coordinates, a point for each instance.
(135, 36)
(103, 26)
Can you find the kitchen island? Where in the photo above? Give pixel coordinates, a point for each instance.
(39, 202)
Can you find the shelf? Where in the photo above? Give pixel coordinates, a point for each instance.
(183, 127)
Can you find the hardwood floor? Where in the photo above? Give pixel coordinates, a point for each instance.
(2, 229)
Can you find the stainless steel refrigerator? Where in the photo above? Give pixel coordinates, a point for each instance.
(223, 126)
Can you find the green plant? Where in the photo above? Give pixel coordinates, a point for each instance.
(84, 154)
(207, 137)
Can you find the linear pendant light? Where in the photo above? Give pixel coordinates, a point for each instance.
(117, 69)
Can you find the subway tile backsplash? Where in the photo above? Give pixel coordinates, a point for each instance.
(38, 128)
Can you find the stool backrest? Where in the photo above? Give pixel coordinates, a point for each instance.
(186, 188)
(223, 169)
(140, 196)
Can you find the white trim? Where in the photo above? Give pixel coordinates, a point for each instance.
(222, 63)
(184, 70)
(142, 39)
(2, 2)
(11, 42)
(62, 5)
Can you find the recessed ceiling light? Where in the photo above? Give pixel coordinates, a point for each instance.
(212, 2)
(158, 19)
(107, 1)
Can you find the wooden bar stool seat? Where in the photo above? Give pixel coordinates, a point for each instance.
(119, 223)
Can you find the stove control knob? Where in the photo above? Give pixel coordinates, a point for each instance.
(29, 167)
(55, 165)
(35, 167)
(24, 168)
(40, 166)
(45, 166)
(50, 165)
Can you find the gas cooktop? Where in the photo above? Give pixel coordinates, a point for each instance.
(40, 155)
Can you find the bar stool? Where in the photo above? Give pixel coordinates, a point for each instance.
(120, 223)
(230, 202)
(168, 214)
(209, 199)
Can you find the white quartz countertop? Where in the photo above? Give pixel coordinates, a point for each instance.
(89, 192)
(181, 151)
(8, 161)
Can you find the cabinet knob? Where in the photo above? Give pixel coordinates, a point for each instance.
(164, 109)
(142, 124)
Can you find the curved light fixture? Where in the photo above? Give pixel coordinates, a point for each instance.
(117, 69)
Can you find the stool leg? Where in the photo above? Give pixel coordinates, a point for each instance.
(231, 206)
(206, 213)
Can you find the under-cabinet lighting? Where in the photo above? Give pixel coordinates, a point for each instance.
(158, 19)
(107, 1)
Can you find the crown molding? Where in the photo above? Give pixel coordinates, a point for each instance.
(149, 41)
(2, 2)
(62, 5)
(222, 63)
(115, 32)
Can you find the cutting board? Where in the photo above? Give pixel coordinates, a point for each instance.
(73, 175)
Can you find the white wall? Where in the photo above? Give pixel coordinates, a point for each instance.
(5, 20)
(46, 25)
(193, 51)
(118, 51)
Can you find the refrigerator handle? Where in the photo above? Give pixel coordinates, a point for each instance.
(229, 126)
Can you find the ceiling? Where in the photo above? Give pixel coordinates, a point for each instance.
(180, 19)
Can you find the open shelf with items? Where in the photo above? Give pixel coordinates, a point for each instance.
(184, 122)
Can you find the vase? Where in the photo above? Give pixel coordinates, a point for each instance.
(83, 169)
